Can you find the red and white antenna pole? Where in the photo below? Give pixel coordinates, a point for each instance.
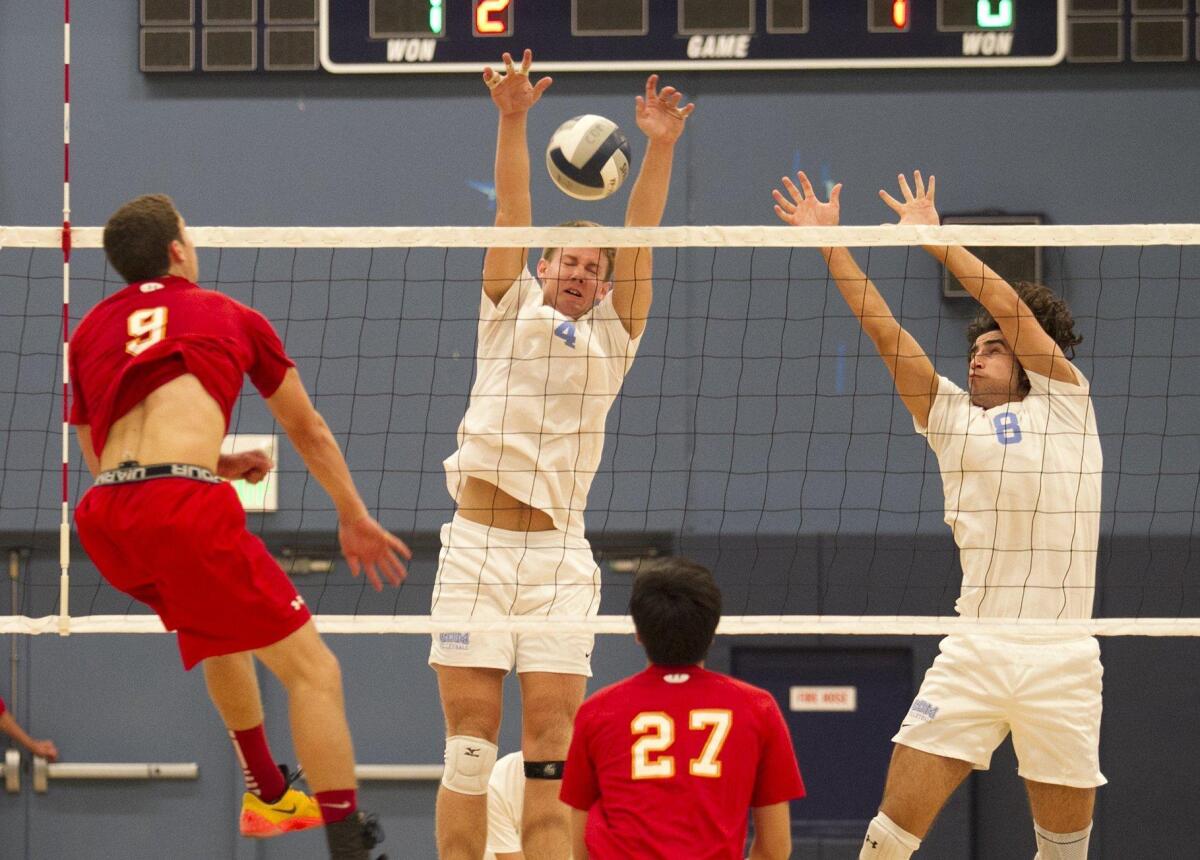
(64, 528)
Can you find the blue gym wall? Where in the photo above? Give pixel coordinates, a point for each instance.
(1081, 145)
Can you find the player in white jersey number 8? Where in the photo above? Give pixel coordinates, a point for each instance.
(551, 357)
(1021, 466)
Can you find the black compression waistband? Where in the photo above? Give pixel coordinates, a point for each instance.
(128, 473)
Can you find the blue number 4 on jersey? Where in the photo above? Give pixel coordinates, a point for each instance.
(566, 331)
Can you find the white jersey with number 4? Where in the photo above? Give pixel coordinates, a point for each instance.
(1022, 487)
(543, 387)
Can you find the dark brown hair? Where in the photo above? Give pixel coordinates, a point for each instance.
(610, 254)
(1051, 312)
(675, 604)
(138, 235)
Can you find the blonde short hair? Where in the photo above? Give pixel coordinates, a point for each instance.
(610, 254)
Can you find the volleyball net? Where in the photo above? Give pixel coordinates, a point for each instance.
(758, 431)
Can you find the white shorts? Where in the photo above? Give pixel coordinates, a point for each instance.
(487, 572)
(1045, 691)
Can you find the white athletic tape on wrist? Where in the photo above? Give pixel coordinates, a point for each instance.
(469, 763)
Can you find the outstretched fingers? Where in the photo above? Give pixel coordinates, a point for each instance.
(783, 206)
(919, 181)
(792, 190)
(805, 184)
(892, 203)
(651, 88)
(373, 577)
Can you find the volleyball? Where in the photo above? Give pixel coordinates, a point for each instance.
(588, 157)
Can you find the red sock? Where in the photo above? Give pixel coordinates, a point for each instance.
(337, 805)
(262, 774)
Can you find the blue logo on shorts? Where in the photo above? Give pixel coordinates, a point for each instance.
(455, 641)
(923, 709)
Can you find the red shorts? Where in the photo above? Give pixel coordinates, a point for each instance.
(181, 547)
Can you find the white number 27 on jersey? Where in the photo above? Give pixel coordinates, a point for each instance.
(145, 328)
(654, 733)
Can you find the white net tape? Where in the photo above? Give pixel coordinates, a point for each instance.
(1094, 235)
(745, 625)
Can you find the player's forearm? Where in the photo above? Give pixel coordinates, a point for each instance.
(648, 200)
(761, 851)
(10, 727)
(513, 203)
(863, 299)
(993, 292)
(324, 460)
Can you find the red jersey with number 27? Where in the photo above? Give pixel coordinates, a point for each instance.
(669, 762)
(154, 331)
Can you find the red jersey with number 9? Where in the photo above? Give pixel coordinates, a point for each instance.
(154, 331)
(669, 762)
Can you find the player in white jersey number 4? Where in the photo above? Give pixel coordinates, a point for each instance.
(1021, 467)
(551, 357)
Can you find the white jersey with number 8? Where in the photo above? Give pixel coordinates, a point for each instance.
(1022, 490)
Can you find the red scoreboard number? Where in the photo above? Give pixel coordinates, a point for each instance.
(493, 17)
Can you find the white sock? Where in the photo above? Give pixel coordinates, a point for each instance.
(1062, 846)
(887, 840)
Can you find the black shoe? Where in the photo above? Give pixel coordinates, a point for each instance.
(290, 777)
(352, 838)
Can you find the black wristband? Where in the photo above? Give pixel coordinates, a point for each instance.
(544, 769)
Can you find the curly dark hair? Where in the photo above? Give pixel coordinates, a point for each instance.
(1051, 312)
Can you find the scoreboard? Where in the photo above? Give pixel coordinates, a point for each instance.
(405, 36)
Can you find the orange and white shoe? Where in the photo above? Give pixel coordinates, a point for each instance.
(294, 811)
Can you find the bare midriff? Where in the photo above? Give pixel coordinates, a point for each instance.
(178, 422)
(482, 502)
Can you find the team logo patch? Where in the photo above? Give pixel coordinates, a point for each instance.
(297, 602)
(455, 641)
(923, 710)
(676, 678)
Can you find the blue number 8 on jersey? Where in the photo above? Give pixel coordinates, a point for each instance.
(1008, 430)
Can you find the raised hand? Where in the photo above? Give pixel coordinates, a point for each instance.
(917, 208)
(369, 546)
(659, 115)
(512, 91)
(249, 466)
(805, 209)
